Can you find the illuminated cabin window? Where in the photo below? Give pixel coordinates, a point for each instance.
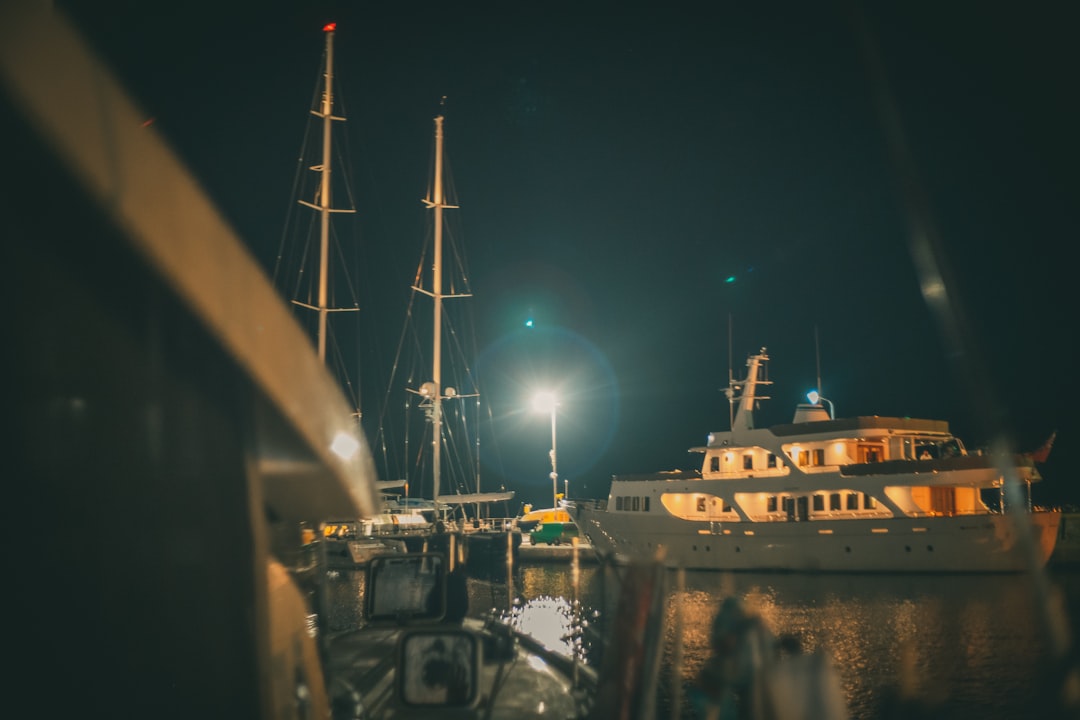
(834, 501)
(853, 501)
(701, 504)
(748, 462)
(772, 460)
(770, 503)
(714, 463)
(804, 459)
(819, 503)
(869, 503)
(819, 456)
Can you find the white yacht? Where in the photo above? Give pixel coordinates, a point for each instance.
(863, 494)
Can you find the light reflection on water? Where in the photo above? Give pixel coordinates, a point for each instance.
(969, 646)
(972, 646)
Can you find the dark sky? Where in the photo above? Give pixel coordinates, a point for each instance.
(616, 164)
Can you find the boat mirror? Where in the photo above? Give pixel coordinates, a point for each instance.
(406, 588)
(438, 668)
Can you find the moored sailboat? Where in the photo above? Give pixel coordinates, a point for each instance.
(824, 494)
(349, 542)
(448, 397)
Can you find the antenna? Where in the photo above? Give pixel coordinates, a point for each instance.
(730, 392)
(817, 357)
(729, 376)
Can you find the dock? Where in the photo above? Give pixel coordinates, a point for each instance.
(563, 553)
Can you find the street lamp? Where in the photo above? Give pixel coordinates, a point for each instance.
(816, 398)
(547, 402)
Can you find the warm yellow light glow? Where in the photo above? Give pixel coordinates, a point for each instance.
(344, 446)
(824, 532)
(918, 529)
(879, 530)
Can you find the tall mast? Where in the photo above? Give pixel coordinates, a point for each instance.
(433, 391)
(323, 197)
(436, 293)
(324, 189)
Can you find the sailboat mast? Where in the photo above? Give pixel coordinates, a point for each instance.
(436, 293)
(324, 190)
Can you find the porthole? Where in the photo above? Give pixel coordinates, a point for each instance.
(907, 548)
(930, 548)
(738, 549)
(847, 548)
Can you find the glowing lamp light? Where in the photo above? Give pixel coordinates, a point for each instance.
(529, 323)
(730, 279)
(816, 398)
(545, 402)
(329, 27)
(344, 446)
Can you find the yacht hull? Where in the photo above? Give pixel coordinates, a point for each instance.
(956, 544)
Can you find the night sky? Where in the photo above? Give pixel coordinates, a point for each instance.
(616, 165)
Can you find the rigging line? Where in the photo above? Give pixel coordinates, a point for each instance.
(289, 213)
(307, 251)
(459, 351)
(408, 332)
(342, 371)
(458, 254)
(343, 269)
(470, 471)
(397, 360)
(345, 167)
(299, 172)
(499, 465)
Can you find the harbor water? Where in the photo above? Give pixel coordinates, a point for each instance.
(965, 646)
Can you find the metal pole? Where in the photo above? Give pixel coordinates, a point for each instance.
(554, 463)
(436, 294)
(324, 193)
